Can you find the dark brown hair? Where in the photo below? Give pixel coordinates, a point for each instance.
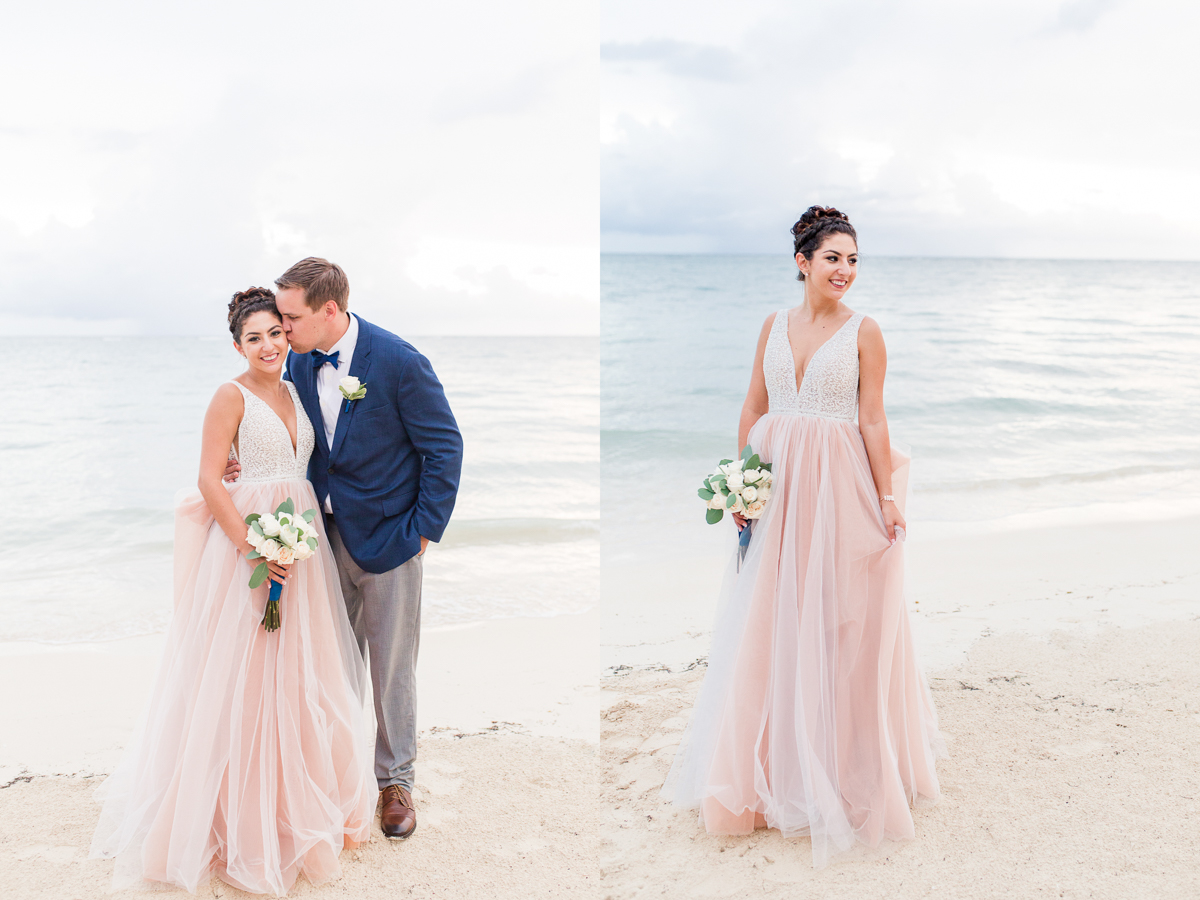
(245, 303)
(817, 223)
(321, 280)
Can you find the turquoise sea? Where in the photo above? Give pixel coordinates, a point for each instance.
(99, 434)
(1030, 391)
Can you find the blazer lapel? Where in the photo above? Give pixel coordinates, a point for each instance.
(305, 379)
(360, 366)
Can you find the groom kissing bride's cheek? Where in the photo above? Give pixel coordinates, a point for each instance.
(385, 469)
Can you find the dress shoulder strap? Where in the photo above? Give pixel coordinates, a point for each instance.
(779, 326)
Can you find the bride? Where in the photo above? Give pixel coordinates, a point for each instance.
(250, 759)
(814, 717)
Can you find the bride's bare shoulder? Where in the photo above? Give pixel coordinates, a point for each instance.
(227, 402)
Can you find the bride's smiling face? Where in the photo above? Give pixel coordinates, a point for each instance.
(832, 268)
(264, 343)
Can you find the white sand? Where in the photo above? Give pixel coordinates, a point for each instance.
(1064, 665)
(506, 777)
(1072, 725)
(501, 815)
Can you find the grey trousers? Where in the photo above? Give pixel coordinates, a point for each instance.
(385, 612)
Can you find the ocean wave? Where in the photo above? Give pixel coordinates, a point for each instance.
(1054, 479)
(481, 532)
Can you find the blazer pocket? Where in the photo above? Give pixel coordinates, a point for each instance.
(371, 413)
(397, 503)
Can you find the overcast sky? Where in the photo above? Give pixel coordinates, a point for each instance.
(1013, 128)
(156, 157)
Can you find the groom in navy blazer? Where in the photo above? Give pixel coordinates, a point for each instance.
(386, 468)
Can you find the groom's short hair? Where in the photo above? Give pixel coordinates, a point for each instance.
(321, 280)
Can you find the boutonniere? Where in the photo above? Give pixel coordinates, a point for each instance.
(352, 389)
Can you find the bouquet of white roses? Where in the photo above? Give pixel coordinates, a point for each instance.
(280, 537)
(741, 486)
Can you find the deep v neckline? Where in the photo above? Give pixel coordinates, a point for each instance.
(292, 396)
(797, 376)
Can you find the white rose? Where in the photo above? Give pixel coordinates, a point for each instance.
(750, 476)
(270, 549)
(764, 492)
(269, 524)
(287, 556)
(303, 551)
(288, 536)
(738, 506)
(749, 493)
(349, 384)
(734, 481)
(756, 509)
(717, 502)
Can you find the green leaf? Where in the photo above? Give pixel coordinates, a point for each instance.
(256, 528)
(705, 494)
(752, 462)
(287, 506)
(725, 462)
(252, 518)
(713, 516)
(259, 575)
(309, 515)
(747, 452)
(731, 501)
(312, 542)
(253, 554)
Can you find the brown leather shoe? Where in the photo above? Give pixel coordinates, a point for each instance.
(398, 818)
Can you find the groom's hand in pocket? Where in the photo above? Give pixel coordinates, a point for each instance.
(424, 544)
(232, 469)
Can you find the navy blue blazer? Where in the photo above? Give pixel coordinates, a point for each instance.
(392, 473)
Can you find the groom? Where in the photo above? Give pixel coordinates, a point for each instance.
(386, 468)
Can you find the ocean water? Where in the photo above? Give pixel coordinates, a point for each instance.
(98, 435)
(1029, 391)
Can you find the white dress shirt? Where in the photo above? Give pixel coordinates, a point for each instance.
(327, 385)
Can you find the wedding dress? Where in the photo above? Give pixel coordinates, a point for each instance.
(252, 760)
(814, 717)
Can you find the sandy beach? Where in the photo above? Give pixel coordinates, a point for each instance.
(506, 777)
(1063, 665)
(1062, 662)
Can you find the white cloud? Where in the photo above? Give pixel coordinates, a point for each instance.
(156, 159)
(993, 128)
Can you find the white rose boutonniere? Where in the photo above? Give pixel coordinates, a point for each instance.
(352, 389)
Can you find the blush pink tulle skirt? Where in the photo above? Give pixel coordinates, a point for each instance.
(252, 759)
(814, 717)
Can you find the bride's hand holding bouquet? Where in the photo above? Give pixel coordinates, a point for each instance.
(278, 539)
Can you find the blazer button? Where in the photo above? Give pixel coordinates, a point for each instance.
(331, 470)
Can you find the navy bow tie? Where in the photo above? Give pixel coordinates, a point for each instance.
(319, 358)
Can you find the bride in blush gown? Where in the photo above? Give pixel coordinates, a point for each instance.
(814, 717)
(250, 761)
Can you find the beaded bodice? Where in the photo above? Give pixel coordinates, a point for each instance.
(264, 446)
(830, 386)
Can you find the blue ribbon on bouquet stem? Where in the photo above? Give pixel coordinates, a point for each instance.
(271, 619)
(744, 542)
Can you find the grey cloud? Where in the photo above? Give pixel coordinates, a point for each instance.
(678, 58)
(906, 131)
(1080, 16)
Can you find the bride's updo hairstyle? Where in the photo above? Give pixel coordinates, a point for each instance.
(245, 304)
(818, 223)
